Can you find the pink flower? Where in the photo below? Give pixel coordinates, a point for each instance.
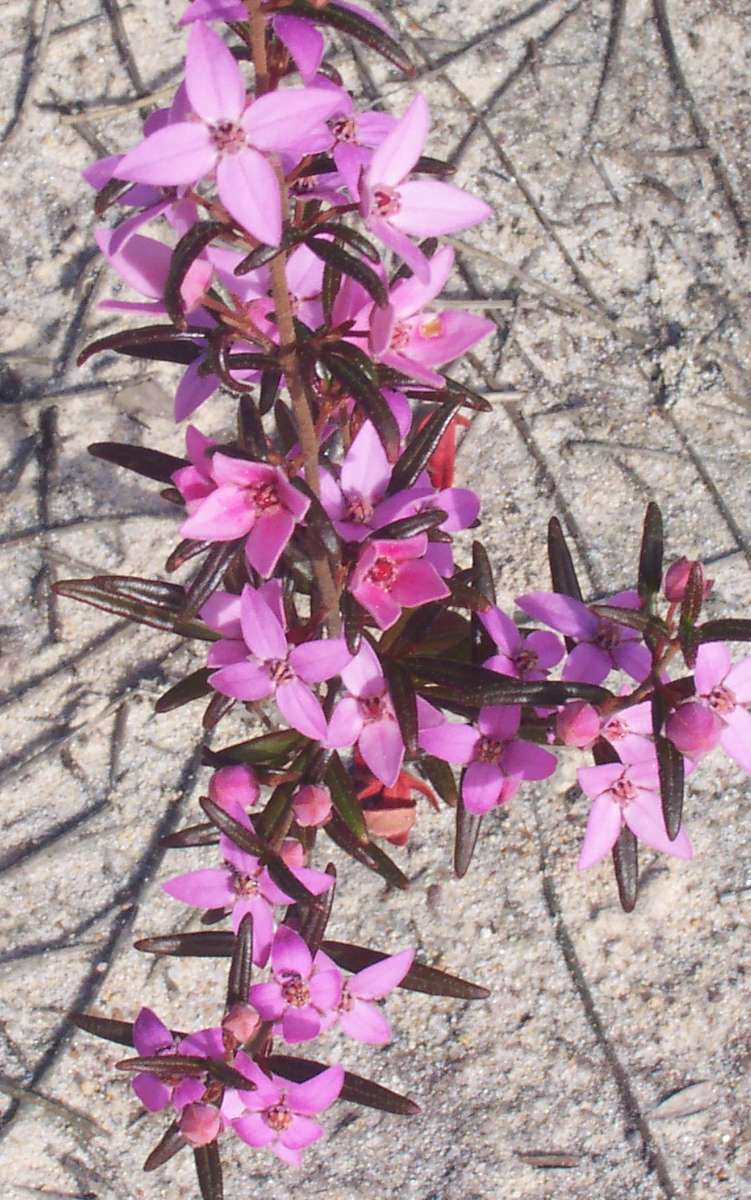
(230, 136)
(577, 724)
(200, 1123)
(725, 690)
(356, 1014)
(603, 645)
(194, 483)
(694, 729)
(497, 760)
(144, 263)
(243, 886)
(278, 1113)
(629, 732)
(300, 994)
(390, 575)
(393, 208)
(529, 658)
(248, 497)
(312, 805)
(366, 716)
(256, 661)
(151, 1037)
(625, 795)
(235, 786)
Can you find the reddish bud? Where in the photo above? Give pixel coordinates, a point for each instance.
(241, 1021)
(693, 729)
(234, 785)
(577, 724)
(200, 1124)
(312, 805)
(676, 579)
(293, 852)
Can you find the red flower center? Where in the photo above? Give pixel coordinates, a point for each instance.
(263, 497)
(228, 137)
(344, 129)
(386, 201)
(383, 573)
(488, 750)
(375, 708)
(296, 992)
(623, 791)
(399, 336)
(278, 1118)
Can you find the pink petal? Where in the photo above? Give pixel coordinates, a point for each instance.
(149, 1033)
(317, 882)
(301, 709)
(548, 649)
(194, 387)
(301, 1133)
(644, 818)
(243, 681)
(411, 295)
(289, 954)
(366, 470)
(633, 658)
(528, 761)
(366, 1023)
(374, 982)
(384, 610)
(317, 1093)
(411, 254)
(738, 680)
(345, 724)
(261, 629)
(303, 41)
(400, 150)
(418, 583)
(382, 322)
(499, 721)
(267, 540)
(280, 119)
(325, 989)
(213, 80)
(249, 189)
(222, 517)
(428, 207)
(221, 612)
(143, 263)
(209, 888)
(565, 614)
(502, 630)
(320, 659)
(300, 1024)
(450, 741)
(153, 1094)
(713, 663)
(254, 1130)
(171, 157)
(461, 505)
(455, 333)
(735, 738)
(381, 745)
(594, 781)
(482, 787)
(267, 999)
(587, 664)
(364, 676)
(603, 829)
(227, 653)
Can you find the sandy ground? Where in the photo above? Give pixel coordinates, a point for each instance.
(612, 140)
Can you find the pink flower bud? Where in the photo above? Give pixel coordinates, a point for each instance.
(693, 729)
(676, 579)
(234, 785)
(200, 1123)
(312, 805)
(241, 1021)
(293, 853)
(577, 724)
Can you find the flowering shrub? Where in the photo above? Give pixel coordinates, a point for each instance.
(297, 267)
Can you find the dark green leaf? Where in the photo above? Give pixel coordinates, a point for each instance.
(426, 165)
(644, 622)
(626, 865)
(368, 395)
(204, 834)
(467, 396)
(330, 285)
(112, 594)
(419, 978)
(274, 820)
(318, 519)
(348, 264)
(476, 686)
(352, 236)
(370, 856)
(152, 464)
(209, 1171)
(268, 750)
(650, 556)
(209, 576)
(356, 1089)
(120, 1032)
(190, 246)
(691, 606)
(562, 570)
(465, 838)
(440, 777)
(344, 800)
(210, 943)
(166, 1149)
(238, 983)
(404, 700)
(166, 1066)
(183, 552)
(250, 433)
(728, 629)
(269, 389)
(671, 768)
(311, 922)
(356, 25)
(264, 254)
(418, 451)
(162, 343)
(407, 527)
(193, 687)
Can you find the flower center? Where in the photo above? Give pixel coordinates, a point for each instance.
(386, 201)
(346, 1001)
(344, 129)
(432, 327)
(383, 573)
(525, 660)
(608, 636)
(623, 791)
(296, 992)
(721, 700)
(614, 730)
(280, 670)
(263, 497)
(359, 509)
(228, 137)
(278, 1118)
(244, 885)
(488, 750)
(375, 708)
(399, 336)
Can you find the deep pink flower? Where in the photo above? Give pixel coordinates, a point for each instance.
(151, 1036)
(243, 886)
(726, 690)
(625, 795)
(694, 729)
(393, 574)
(602, 645)
(248, 497)
(393, 208)
(277, 1113)
(260, 662)
(355, 1013)
(496, 759)
(529, 658)
(301, 993)
(230, 136)
(366, 716)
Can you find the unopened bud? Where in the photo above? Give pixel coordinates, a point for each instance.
(577, 724)
(293, 853)
(693, 729)
(200, 1123)
(312, 805)
(234, 785)
(241, 1021)
(676, 579)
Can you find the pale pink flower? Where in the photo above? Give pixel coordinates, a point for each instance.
(366, 716)
(629, 732)
(301, 993)
(277, 1113)
(355, 1012)
(625, 795)
(392, 574)
(726, 691)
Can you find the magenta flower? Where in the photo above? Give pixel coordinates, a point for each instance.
(529, 658)
(243, 886)
(231, 137)
(249, 497)
(412, 341)
(143, 263)
(277, 1113)
(602, 645)
(194, 483)
(496, 759)
(395, 210)
(301, 993)
(150, 1037)
(676, 579)
(366, 716)
(577, 724)
(725, 690)
(260, 663)
(625, 795)
(355, 1013)
(390, 575)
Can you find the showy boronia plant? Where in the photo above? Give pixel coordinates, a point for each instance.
(297, 265)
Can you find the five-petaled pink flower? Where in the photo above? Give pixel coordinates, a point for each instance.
(603, 645)
(497, 760)
(301, 993)
(719, 713)
(355, 1013)
(152, 1037)
(231, 137)
(625, 794)
(392, 574)
(256, 661)
(529, 658)
(277, 1113)
(367, 716)
(248, 497)
(394, 207)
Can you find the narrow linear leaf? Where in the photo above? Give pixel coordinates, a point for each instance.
(356, 1089)
(626, 866)
(185, 550)
(356, 25)
(209, 1171)
(468, 397)
(419, 978)
(426, 165)
(344, 800)
(644, 622)
(185, 253)
(265, 254)
(370, 856)
(348, 264)
(440, 777)
(120, 1032)
(691, 606)
(209, 943)
(250, 432)
(353, 238)
(465, 838)
(476, 686)
(418, 452)
(274, 820)
(368, 395)
(311, 922)
(671, 767)
(411, 526)
(204, 834)
(162, 343)
(152, 464)
(404, 700)
(209, 577)
(562, 570)
(650, 555)
(193, 687)
(166, 1066)
(318, 519)
(238, 982)
(728, 629)
(270, 383)
(166, 1149)
(102, 592)
(270, 749)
